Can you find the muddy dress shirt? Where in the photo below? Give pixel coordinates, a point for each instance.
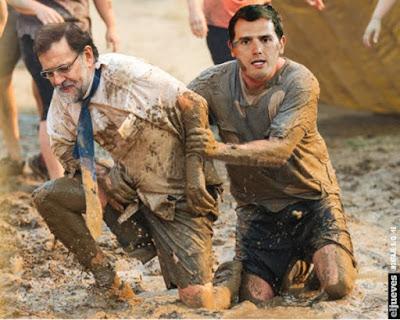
(137, 120)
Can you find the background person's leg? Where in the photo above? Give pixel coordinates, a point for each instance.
(217, 42)
(9, 118)
(45, 90)
(9, 56)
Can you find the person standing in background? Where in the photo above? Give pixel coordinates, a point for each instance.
(210, 18)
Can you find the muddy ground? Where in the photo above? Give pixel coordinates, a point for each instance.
(39, 279)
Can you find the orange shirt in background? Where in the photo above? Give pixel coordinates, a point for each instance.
(219, 12)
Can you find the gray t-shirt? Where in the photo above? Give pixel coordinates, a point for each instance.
(290, 101)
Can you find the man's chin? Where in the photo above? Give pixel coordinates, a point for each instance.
(68, 98)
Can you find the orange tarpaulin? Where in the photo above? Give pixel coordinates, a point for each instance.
(330, 44)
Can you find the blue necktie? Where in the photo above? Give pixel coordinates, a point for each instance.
(84, 150)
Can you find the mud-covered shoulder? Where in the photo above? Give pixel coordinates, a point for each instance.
(211, 78)
(300, 77)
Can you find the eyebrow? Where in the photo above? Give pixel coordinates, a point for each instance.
(253, 37)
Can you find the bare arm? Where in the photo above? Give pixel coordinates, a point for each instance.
(31, 7)
(317, 4)
(197, 19)
(104, 8)
(374, 26)
(3, 16)
(195, 116)
(273, 152)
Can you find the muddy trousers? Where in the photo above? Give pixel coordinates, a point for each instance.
(61, 203)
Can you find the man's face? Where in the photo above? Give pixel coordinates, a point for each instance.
(70, 73)
(257, 49)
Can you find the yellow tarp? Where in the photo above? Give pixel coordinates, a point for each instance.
(329, 43)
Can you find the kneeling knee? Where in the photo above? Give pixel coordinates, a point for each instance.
(41, 195)
(255, 289)
(342, 287)
(205, 296)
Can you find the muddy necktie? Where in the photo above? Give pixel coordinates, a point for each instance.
(84, 150)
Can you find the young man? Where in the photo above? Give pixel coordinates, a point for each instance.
(140, 115)
(289, 205)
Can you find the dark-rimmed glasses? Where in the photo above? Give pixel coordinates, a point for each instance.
(62, 69)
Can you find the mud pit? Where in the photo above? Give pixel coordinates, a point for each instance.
(38, 278)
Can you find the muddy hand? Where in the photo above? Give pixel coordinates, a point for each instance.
(202, 141)
(118, 188)
(199, 199)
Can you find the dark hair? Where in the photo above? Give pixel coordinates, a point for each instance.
(255, 12)
(76, 38)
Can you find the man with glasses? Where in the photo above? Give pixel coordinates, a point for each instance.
(34, 14)
(289, 208)
(157, 197)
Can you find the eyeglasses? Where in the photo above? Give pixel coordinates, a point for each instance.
(62, 69)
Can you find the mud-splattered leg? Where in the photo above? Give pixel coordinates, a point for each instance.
(61, 203)
(255, 289)
(335, 270)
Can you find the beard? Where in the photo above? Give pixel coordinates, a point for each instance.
(69, 98)
(78, 91)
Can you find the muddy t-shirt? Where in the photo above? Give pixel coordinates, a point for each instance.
(137, 120)
(76, 11)
(289, 101)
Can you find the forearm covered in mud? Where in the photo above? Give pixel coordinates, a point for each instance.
(272, 152)
(194, 112)
(194, 115)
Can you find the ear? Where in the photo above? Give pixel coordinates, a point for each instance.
(230, 45)
(282, 43)
(89, 56)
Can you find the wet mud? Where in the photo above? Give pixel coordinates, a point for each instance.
(39, 278)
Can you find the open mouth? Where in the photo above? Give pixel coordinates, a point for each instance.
(66, 88)
(258, 63)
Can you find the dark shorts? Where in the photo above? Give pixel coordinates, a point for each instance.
(9, 46)
(33, 65)
(268, 243)
(217, 42)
